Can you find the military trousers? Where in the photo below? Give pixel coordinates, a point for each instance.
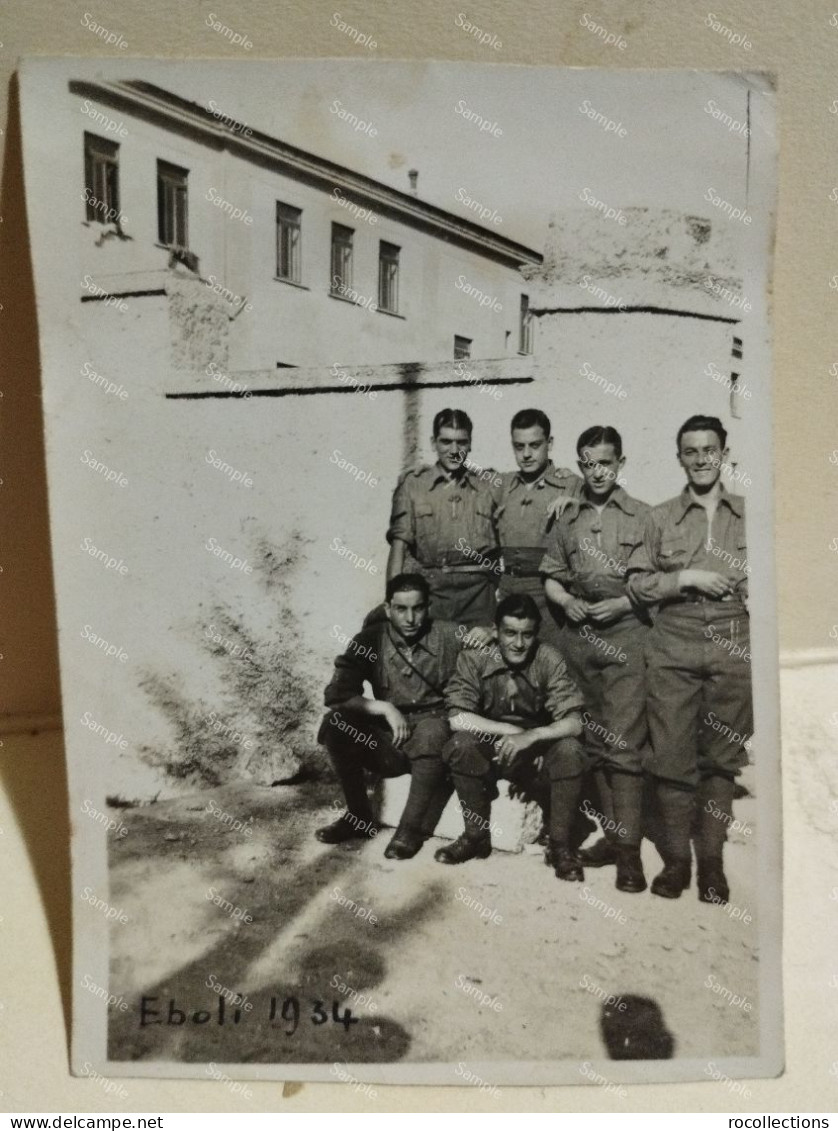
(608, 662)
(699, 699)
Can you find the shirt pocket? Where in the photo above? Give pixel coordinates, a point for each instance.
(576, 555)
(426, 533)
(381, 681)
(673, 550)
(740, 566)
(484, 513)
(625, 549)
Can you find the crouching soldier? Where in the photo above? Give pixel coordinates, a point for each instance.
(407, 661)
(692, 564)
(604, 643)
(509, 705)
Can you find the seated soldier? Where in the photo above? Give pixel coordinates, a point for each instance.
(509, 705)
(407, 660)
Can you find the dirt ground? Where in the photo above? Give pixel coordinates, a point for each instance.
(545, 956)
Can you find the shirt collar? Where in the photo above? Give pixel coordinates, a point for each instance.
(619, 497)
(442, 476)
(549, 476)
(428, 641)
(686, 501)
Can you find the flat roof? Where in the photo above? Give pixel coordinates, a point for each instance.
(192, 120)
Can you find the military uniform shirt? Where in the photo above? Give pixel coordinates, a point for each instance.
(524, 515)
(379, 656)
(445, 521)
(590, 550)
(677, 537)
(540, 693)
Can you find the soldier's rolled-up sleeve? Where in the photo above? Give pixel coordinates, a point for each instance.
(647, 585)
(464, 690)
(402, 521)
(563, 695)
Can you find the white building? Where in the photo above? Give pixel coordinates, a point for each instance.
(314, 263)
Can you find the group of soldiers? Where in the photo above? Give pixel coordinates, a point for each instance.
(542, 626)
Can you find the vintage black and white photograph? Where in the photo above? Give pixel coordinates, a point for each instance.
(409, 446)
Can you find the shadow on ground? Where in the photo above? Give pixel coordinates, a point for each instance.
(301, 947)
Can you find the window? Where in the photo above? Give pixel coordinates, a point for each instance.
(101, 177)
(288, 246)
(341, 258)
(525, 329)
(172, 227)
(388, 277)
(462, 346)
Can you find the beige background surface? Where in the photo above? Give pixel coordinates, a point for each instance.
(799, 44)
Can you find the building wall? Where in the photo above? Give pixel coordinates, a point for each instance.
(302, 513)
(659, 371)
(294, 325)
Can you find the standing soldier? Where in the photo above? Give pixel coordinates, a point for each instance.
(511, 703)
(527, 511)
(693, 566)
(407, 660)
(603, 642)
(443, 515)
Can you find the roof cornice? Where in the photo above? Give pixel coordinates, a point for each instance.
(192, 120)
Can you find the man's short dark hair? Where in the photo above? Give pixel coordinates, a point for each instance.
(520, 606)
(531, 418)
(408, 582)
(703, 424)
(452, 418)
(600, 434)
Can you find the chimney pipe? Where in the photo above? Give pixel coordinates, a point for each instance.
(414, 177)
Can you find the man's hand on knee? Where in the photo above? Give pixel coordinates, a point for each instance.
(509, 746)
(396, 722)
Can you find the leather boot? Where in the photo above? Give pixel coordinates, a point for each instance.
(711, 881)
(677, 808)
(428, 787)
(564, 800)
(475, 797)
(357, 821)
(601, 853)
(404, 844)
(564, 863)
(347, 827)
(674, 878)
(436, 806)
(627, 792)
(715, 795)
(465, 848)
(630, 875)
